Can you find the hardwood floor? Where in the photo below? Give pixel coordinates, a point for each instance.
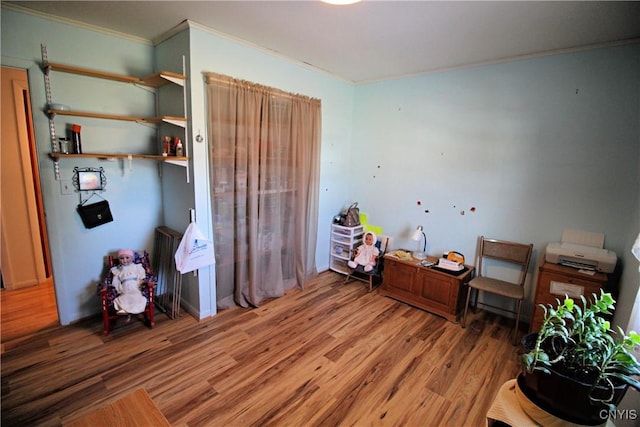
(332, 354)
(26, 311)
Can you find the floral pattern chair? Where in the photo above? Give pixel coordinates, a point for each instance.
(108, 293)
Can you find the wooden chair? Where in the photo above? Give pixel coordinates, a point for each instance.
(510, 252)
(108, 293)
(373, 277)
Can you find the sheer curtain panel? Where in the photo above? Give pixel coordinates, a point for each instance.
(265, 161)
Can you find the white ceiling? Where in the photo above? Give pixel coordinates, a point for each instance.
(375, 40)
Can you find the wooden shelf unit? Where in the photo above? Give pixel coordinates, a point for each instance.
(178, 121)
(155, 80)
(157, 157)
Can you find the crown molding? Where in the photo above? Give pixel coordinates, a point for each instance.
(73, 22)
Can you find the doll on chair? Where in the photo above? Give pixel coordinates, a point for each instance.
(127, 277)
(366, 253)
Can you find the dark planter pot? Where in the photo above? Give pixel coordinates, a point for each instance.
(565, 397)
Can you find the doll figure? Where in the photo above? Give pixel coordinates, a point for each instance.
(366, 253)
(127, 278)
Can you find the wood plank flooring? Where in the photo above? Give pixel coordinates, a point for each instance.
(27, 310)
(135, 409)
(330, 355)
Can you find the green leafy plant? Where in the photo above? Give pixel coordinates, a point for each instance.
(578, 342)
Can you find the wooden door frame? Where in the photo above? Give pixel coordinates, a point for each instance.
(27, 114)
(35, 171)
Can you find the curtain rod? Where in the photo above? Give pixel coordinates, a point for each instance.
(232, 81)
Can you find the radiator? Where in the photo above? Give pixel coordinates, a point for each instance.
(169, 285)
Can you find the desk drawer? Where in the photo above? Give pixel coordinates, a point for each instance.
(555, 281)
(554, 286)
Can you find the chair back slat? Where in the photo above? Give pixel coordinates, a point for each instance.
(506, 251)
(502, 250)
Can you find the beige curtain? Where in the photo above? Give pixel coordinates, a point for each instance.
(265, 161)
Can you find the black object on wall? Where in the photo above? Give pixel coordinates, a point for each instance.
(95, 214)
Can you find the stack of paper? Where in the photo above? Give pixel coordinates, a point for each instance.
(450, 265)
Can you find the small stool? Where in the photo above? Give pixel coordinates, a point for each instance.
(513, 408)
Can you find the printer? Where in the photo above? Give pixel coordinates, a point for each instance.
(582, 249)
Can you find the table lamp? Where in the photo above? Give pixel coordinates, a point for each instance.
(418, 235)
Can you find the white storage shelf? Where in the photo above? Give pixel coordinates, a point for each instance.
(344, 240)
(340, 250)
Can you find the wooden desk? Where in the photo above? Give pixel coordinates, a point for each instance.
(424, 287)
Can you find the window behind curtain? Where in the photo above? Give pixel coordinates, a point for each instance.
(264, 148)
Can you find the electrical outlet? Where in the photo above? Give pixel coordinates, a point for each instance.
(66, 187)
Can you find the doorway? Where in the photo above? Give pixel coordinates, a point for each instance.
(28, 298)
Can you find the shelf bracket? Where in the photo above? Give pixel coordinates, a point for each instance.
(179, 123)
(144, 87)
(178, 81)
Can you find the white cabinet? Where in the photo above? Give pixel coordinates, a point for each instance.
(344, 240)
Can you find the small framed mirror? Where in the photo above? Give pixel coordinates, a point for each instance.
(89, 179)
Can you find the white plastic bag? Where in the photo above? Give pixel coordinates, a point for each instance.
(194, 251)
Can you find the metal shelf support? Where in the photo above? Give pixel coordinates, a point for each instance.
(52, 126)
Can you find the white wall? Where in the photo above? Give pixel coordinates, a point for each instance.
(535, 146)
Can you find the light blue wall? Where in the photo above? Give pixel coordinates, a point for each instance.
(533, 146)
(78, 254)
(178, 183)
(210, 52)
(142, 199)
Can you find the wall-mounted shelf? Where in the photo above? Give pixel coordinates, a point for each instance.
(178, 121)
(153, 81)
(105, 156)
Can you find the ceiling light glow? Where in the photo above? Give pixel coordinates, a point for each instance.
(341, 2)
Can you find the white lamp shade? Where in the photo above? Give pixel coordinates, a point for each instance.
(417, 235)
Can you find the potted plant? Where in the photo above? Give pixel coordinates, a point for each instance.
(576, 367)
